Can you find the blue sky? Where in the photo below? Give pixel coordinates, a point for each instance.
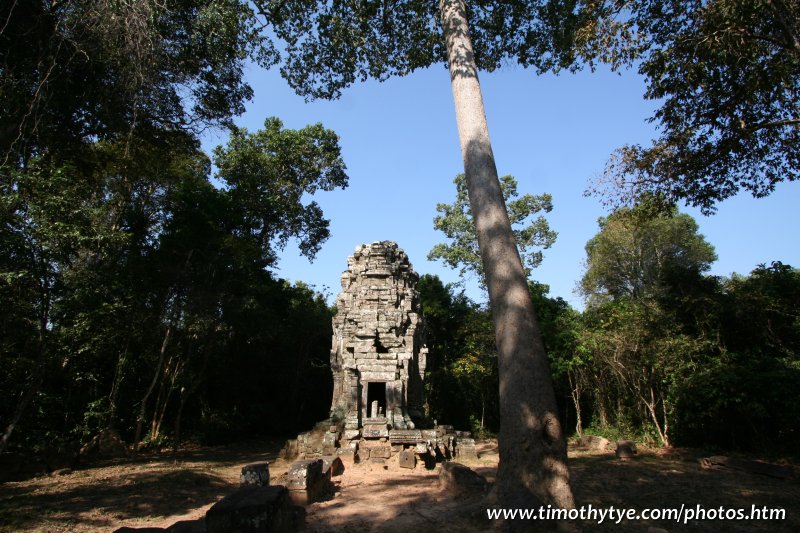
(553, 133)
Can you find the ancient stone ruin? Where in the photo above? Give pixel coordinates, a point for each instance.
(378, 359)
(378, 352)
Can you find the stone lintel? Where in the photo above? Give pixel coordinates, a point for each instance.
(379, 376)
(375, 431)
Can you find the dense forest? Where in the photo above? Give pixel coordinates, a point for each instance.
(662, 352)
(137, 284)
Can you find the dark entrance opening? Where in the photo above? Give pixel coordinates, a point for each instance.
(376, 391)
(380, 348)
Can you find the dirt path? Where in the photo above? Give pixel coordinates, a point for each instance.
(160, 489)
(389, 498)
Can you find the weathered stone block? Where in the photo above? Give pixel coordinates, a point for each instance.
(459, 479)
(255, 474)
(304, 474)
(251, 508)
(347, 455)
(407, 459)
(466, 452)
(625, 449)
(593, 442)
(405, 436)
(375, 431)
(333, 465)
(379, 376)
(307, 482)
(382, 452)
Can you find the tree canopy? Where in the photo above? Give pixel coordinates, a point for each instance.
(129, 282)
(726, 74)
(455, 221)
(331, 45)
(75, 72)
(637, 249)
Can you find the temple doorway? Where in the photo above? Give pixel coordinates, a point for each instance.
(376, 392)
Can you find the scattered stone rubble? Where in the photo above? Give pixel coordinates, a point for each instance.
(378, 360)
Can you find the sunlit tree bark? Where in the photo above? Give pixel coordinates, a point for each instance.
(532, 446)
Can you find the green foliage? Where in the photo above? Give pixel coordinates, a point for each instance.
(746, 390)
(462, 362)
(691, 359)
(78, 72)
(129, 285)
(455, 221)
(637, 248)
(268, 172)
(135, 270)
(462, 387)
(330, 45)
(725, 74)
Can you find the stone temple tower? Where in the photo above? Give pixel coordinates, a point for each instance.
(378, 354)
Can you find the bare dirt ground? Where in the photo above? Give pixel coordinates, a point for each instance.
(157, 490)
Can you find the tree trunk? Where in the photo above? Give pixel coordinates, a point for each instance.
(483, 411)
(187, 391)
(575, 392)
(533, 452)
(156, 375)
(663, 430)
(113, 396)
(176, 432)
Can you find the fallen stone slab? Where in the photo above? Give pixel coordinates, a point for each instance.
(188, 526)
(251, 509)
(746, 465)
(466, 450)
(593, 442)
(184, 526)
(459, 479)
(304, 474)
(405, 436)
